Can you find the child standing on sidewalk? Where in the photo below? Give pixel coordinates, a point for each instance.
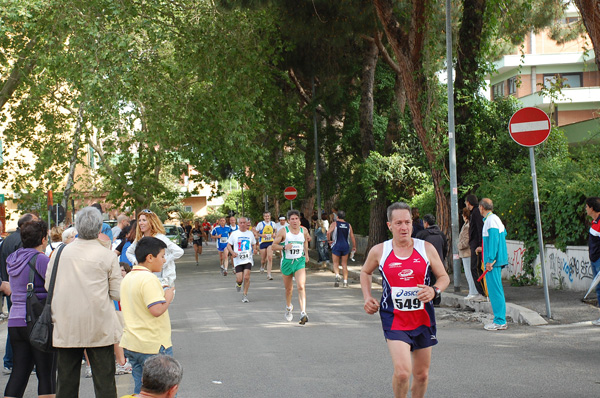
(144, 305)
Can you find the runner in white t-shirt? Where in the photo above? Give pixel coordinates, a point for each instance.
(241, 245)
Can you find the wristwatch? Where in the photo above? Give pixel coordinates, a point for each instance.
(437, 292)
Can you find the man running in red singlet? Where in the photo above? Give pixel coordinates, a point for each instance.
(406, 307)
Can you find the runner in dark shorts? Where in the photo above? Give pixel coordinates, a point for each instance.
(406, 307)
(196, 236)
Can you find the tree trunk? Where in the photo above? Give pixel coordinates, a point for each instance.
(468, 78)
(370, 55)
(590, 12)
(408, 47)
(73, 160)
(22, 67)
(308, 203)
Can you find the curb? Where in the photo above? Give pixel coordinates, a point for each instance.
(517, 313)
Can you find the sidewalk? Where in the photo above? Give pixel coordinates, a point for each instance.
(524, 304)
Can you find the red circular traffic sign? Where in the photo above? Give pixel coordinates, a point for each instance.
(529, 126)
(290, 193)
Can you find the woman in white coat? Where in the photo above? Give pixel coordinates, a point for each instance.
(148, 224)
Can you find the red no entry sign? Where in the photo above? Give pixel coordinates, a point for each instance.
(290, 193)
(529, 126)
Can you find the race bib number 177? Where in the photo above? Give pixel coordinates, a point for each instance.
(405, 298)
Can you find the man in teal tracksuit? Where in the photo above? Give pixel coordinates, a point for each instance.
(495, 257)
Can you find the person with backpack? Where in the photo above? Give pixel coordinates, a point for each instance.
(27, 264)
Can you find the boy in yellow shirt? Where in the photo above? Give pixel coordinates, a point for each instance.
(144, 306)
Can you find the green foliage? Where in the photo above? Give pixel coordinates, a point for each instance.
(564, 181)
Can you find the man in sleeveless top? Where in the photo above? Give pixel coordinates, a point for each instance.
(406, 307)
(339, 235)
(293, 242)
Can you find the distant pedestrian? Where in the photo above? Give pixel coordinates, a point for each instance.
(55, 240)
(221, 234)
(265, 233)
(304, 222)
(88, 279)
(339, 235)
(26, 261)
(406, 309)
(241, 246)
(121, 250)
(188, 230)
(432, 233)
(592, 208)
(495, 257)
(206, 227)
(160, 378)
(322, 244)
(196, 235)
(416, 222)
(464, 252)
(475, 242)
(106, 229)
(122, 222)
(144, 305)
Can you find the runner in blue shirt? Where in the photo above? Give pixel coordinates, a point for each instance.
(221, 233)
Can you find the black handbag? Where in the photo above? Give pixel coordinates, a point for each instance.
(40, 336)
(34, 306)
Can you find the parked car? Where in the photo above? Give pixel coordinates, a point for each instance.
(177, 235)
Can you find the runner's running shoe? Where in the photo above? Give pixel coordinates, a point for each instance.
(303, 318)
(337, 281)
(288, 313)
(245, 299)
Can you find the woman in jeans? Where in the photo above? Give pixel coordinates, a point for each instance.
(33, 236)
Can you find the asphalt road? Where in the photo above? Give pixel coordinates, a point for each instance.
(232, 349)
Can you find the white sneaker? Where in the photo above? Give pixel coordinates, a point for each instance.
(470, 297)
(288, 313)
(480, 298)
(269, 277)
(245, 299)
(495, 326)
(88, 372)
(596, 322)
(262, 269)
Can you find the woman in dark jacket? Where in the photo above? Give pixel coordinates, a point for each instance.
(33, 236)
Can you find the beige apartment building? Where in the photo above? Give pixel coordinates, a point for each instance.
(529, 76)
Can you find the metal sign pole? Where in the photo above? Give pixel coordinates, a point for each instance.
(452, 154)
(536, 202)
(291, 205)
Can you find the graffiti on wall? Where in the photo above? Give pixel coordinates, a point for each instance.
(570, 270)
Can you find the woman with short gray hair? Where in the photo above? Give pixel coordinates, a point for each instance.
(88, 278)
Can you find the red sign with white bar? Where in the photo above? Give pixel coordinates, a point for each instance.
(290, 193)
(529, 126)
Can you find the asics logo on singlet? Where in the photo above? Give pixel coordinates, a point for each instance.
(406, 293)
(394, 265)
